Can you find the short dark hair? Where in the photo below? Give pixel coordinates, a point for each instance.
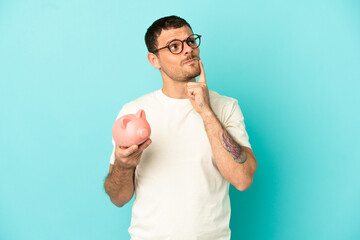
(154, 31)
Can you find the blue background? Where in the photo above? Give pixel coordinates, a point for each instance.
(67, 67)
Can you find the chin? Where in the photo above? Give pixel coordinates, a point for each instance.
(191, 75)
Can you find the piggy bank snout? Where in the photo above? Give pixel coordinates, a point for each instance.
(143, 132)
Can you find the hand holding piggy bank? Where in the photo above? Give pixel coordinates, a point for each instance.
(131, 129)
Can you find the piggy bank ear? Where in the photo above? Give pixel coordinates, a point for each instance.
(124, 121)
(141, 114)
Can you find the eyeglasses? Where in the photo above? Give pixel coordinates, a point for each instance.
(176, 46)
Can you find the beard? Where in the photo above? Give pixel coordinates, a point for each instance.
(186, 73)
(192, 74)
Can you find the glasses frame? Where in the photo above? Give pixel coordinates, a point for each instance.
(196, 36)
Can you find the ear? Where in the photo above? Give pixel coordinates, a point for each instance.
(154, 60)
(123, 122)
(140, 114)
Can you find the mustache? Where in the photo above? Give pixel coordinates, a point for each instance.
(190, 58)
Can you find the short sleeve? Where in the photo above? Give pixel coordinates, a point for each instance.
(235, 125)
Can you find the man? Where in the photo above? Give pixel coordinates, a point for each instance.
(198, 146)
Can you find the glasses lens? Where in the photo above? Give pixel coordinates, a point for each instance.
(193, 41)
(175, 46)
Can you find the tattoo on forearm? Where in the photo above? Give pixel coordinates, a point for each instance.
(233, 148)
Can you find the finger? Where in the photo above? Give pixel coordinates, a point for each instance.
(202, 78)
(190, 92)
(190, 84)
(141, 148)
(195, 90)
(144, 145)
(195, 87)
(128, 151)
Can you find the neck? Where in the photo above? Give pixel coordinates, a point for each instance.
(175, 89)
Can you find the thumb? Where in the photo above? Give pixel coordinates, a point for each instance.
(202, 78)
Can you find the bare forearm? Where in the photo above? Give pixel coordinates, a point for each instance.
(119, 185)
(236, 163)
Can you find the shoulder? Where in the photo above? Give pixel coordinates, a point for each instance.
(139, 103)
(224, 107)
(217, 100)
(145, 98)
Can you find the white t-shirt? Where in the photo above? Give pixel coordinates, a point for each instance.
(179, 191)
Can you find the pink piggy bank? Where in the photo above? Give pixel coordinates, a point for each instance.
(131, 129)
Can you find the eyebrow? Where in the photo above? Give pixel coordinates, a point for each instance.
(170, 41)
(176, 39)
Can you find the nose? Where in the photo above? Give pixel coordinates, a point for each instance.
(187, 49)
